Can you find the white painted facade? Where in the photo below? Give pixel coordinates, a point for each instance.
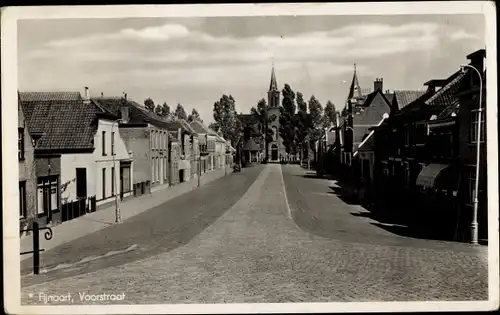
(98, 164)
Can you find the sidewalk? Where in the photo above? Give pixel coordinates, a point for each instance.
(103, 218)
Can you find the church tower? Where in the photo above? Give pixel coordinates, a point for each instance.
(273, 95)
(276, 148)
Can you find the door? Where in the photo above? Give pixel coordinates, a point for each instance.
(274, 152)
(81, 183)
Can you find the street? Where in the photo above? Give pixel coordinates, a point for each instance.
(272, 233)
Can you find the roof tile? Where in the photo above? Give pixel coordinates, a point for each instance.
(64, 123)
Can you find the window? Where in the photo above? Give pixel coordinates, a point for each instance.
(152, 169)
(22, 199)
(112, 181)
(407, 174)
(47, 194)
(183, 147)
(420, 134)
(112, 143)
(158, 169)
(20, 143)
(407, 137)
(103, 143)
(474, 125)
(165, 171)
(103, 183)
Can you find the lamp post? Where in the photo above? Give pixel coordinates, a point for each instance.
(474, 224)
(118, 218)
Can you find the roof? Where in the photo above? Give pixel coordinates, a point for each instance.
(49, 96)
(355, 89)
(215, 134)
(199, 127)
(389, 97)
(450, 111)
(447, 94)
(374, 109)
(405, 97)
(273, 86)
(175, 124)
(62, 123)
(137, 114)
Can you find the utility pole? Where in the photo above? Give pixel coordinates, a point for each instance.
(474, 223)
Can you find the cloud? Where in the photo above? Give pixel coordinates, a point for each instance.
(461, 34)
(177, 57)
(162, 33)
(175, 43)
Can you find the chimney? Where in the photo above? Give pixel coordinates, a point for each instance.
(378, 85)
(124, 116)
(86, 99)
(477, 59)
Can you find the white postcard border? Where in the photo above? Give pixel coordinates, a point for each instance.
(10, 16)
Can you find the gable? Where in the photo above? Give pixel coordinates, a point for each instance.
(373, 111)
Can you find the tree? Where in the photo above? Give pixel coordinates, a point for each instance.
(316, 112)
(288, 120)
(214, 126)
(225, 119)
(149, 104)
(288, 101)
(165, 110)
(330, 115)
(261, 119)
(301, 104)
(194, 115)
(180, 112)
(158, 110)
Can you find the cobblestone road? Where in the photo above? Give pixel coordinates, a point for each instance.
(255, 252)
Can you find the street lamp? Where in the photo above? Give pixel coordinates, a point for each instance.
(474, 224)
(118, 218)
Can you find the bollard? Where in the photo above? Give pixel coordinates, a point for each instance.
(36, 249)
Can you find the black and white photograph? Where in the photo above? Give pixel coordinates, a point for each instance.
(250, 158)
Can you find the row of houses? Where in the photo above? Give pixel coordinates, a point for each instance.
(414, 153)
(78, 153)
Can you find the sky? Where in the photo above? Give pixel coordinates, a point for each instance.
(193, 61)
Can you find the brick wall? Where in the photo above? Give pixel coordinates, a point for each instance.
(27, 172)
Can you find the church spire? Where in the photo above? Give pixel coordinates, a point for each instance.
(355, 90)
(274, 85)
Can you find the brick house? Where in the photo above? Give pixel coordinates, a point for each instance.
(467, 117)
(88, 144)
(202, 132)
(146, 138)
(423, 152)
(183, 154)
(27, 173)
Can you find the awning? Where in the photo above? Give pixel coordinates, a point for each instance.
(429, 175)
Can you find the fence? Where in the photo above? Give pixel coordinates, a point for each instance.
(78, 208)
